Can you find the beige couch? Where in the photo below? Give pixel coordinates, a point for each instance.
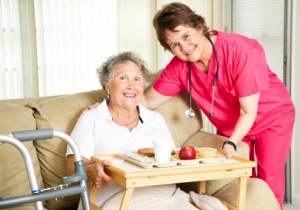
(61, 113)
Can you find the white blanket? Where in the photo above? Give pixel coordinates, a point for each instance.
(165, 197)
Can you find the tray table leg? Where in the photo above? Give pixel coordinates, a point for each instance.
(201, 187)
(126, 198)
(241, 199)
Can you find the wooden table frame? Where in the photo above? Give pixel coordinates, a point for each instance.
(150, 177)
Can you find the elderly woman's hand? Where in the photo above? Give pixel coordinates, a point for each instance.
(96, 174)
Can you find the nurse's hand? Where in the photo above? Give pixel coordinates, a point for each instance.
(229, 151)
(90, 107)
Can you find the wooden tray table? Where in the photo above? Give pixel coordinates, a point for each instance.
(130, 176)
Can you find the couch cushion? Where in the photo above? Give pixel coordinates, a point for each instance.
(59, 113)
(15, 182)
(173, 112)
(258, 195)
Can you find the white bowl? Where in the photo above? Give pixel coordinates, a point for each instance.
(207, 152)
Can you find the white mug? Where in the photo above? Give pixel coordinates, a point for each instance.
(162, 150)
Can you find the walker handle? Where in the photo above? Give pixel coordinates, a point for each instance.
(28, 135)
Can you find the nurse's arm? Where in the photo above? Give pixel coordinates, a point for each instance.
(248, 112)
(153, 99)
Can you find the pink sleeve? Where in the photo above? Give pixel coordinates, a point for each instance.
(251, 71)
(169, 82)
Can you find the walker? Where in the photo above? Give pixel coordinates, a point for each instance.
(39, 195)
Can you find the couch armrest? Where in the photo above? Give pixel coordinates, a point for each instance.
(205, 139)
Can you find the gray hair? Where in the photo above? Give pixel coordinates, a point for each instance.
(106, 71)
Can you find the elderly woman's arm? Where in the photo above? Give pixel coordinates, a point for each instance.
(96, 175)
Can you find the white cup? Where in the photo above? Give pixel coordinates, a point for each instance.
(162, 150)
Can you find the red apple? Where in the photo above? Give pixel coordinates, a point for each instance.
(187, 153)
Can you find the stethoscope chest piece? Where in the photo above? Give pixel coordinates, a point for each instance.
(190, 113)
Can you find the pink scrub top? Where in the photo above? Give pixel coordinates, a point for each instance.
(243, 71)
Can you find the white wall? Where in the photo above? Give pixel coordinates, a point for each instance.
(135, 31)
(295, 154)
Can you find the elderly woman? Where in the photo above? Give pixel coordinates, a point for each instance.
(120, 124)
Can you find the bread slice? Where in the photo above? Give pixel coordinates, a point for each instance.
(146, 152)
(149, 152)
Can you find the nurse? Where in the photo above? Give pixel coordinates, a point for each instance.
(233, 85)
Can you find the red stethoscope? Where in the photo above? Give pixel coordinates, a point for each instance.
(190, 113)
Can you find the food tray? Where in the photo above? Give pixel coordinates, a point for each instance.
(175, 161)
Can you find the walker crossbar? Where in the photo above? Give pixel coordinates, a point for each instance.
(39, 195)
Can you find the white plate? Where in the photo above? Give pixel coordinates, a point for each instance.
(186, 162)
(162, 165)
(211, 160)
(173, 162)
(138, 163)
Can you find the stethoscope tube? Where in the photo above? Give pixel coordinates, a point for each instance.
(212, 113)
(190, 112)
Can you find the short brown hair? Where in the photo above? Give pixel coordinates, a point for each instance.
(173, 15)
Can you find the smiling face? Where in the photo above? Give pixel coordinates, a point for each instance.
(127, 86)
(187, 43)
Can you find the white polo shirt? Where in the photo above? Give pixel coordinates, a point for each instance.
(96, 133)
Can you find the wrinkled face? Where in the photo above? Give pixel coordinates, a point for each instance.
(127, 86)
(186, 43)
